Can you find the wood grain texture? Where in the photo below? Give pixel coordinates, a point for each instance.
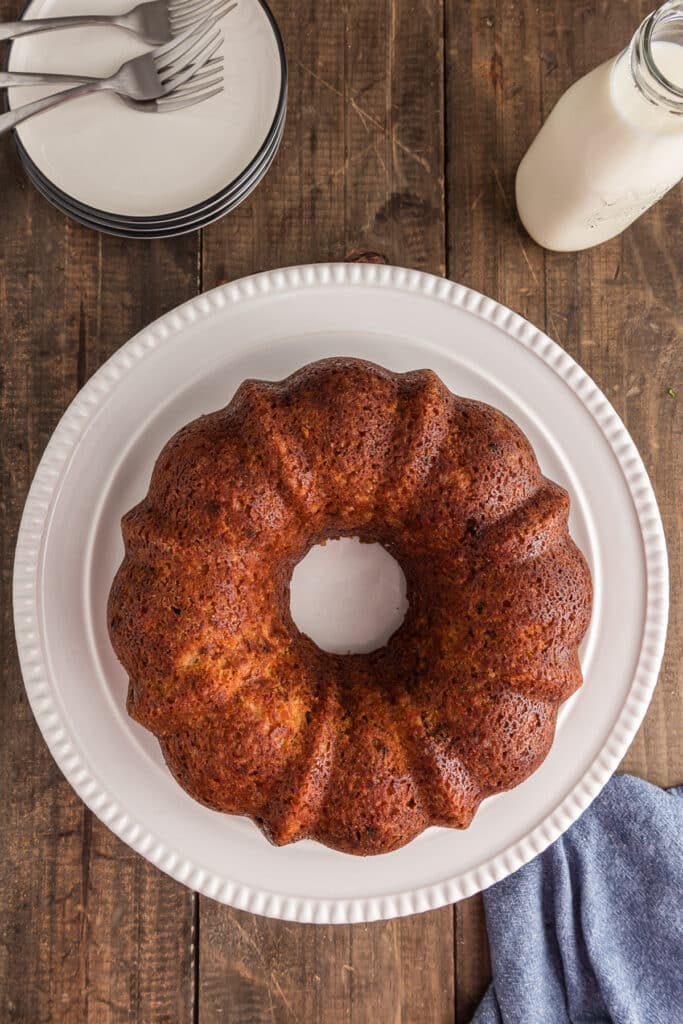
(383, 98)
(361, 167)
(361, 164)
(616, 309)
(255, 970)
(89, 931)
(40, 842)
(492, 91)
(137, 948)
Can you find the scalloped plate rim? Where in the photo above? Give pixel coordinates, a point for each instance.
(45, 485)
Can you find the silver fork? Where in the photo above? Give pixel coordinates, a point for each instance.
(181, 73)
(21, 79)
(156, 21)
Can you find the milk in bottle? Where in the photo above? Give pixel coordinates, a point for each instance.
(612, 145)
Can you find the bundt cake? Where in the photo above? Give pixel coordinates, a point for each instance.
(362, 751)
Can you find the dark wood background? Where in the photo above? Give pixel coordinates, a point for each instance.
(407, 119)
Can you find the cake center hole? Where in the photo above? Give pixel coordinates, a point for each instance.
(348, 597)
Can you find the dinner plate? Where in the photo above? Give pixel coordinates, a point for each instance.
(118, 163)
(98, 463)
(162, 229)
(133, 228)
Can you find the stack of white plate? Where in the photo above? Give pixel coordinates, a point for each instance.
(139, 175)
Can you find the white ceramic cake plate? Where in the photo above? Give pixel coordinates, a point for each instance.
(98, 463)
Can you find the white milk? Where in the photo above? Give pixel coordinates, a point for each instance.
(605, 154)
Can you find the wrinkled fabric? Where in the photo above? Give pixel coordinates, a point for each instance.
(591, 930)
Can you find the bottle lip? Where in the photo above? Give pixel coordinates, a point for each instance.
(649, 78)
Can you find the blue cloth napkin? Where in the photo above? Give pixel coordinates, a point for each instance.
(591, 931)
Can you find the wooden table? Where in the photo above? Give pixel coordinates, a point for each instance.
(406, 122)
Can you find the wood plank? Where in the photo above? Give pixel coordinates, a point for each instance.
(615, 308)
(40, 847)
(471, 956)
(492, 96)
(253, 970)
(361, 162)
(360, 168)
(139, 923)
(89, 930)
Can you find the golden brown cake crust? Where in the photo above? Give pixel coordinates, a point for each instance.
(360, 752)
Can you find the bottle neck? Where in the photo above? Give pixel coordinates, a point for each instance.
(656, 57)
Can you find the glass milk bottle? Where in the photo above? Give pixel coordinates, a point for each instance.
(613, 144)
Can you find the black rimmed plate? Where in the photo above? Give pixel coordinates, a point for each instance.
(160, 230)
(138, 175)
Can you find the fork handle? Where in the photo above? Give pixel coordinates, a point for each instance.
(12, 118)
(9, 79)
(14, 29)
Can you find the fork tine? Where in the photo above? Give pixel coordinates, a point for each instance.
(212, 67)
(195, 13)
(180, 75)
(181, 6)
(190, 89)
(213, 9)
(190, 7)
(166, 105)
(199, 9)
(212, 77)
(192, 51)
(217, 8)
(167, 48)
(169, 54)
(197, 82)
